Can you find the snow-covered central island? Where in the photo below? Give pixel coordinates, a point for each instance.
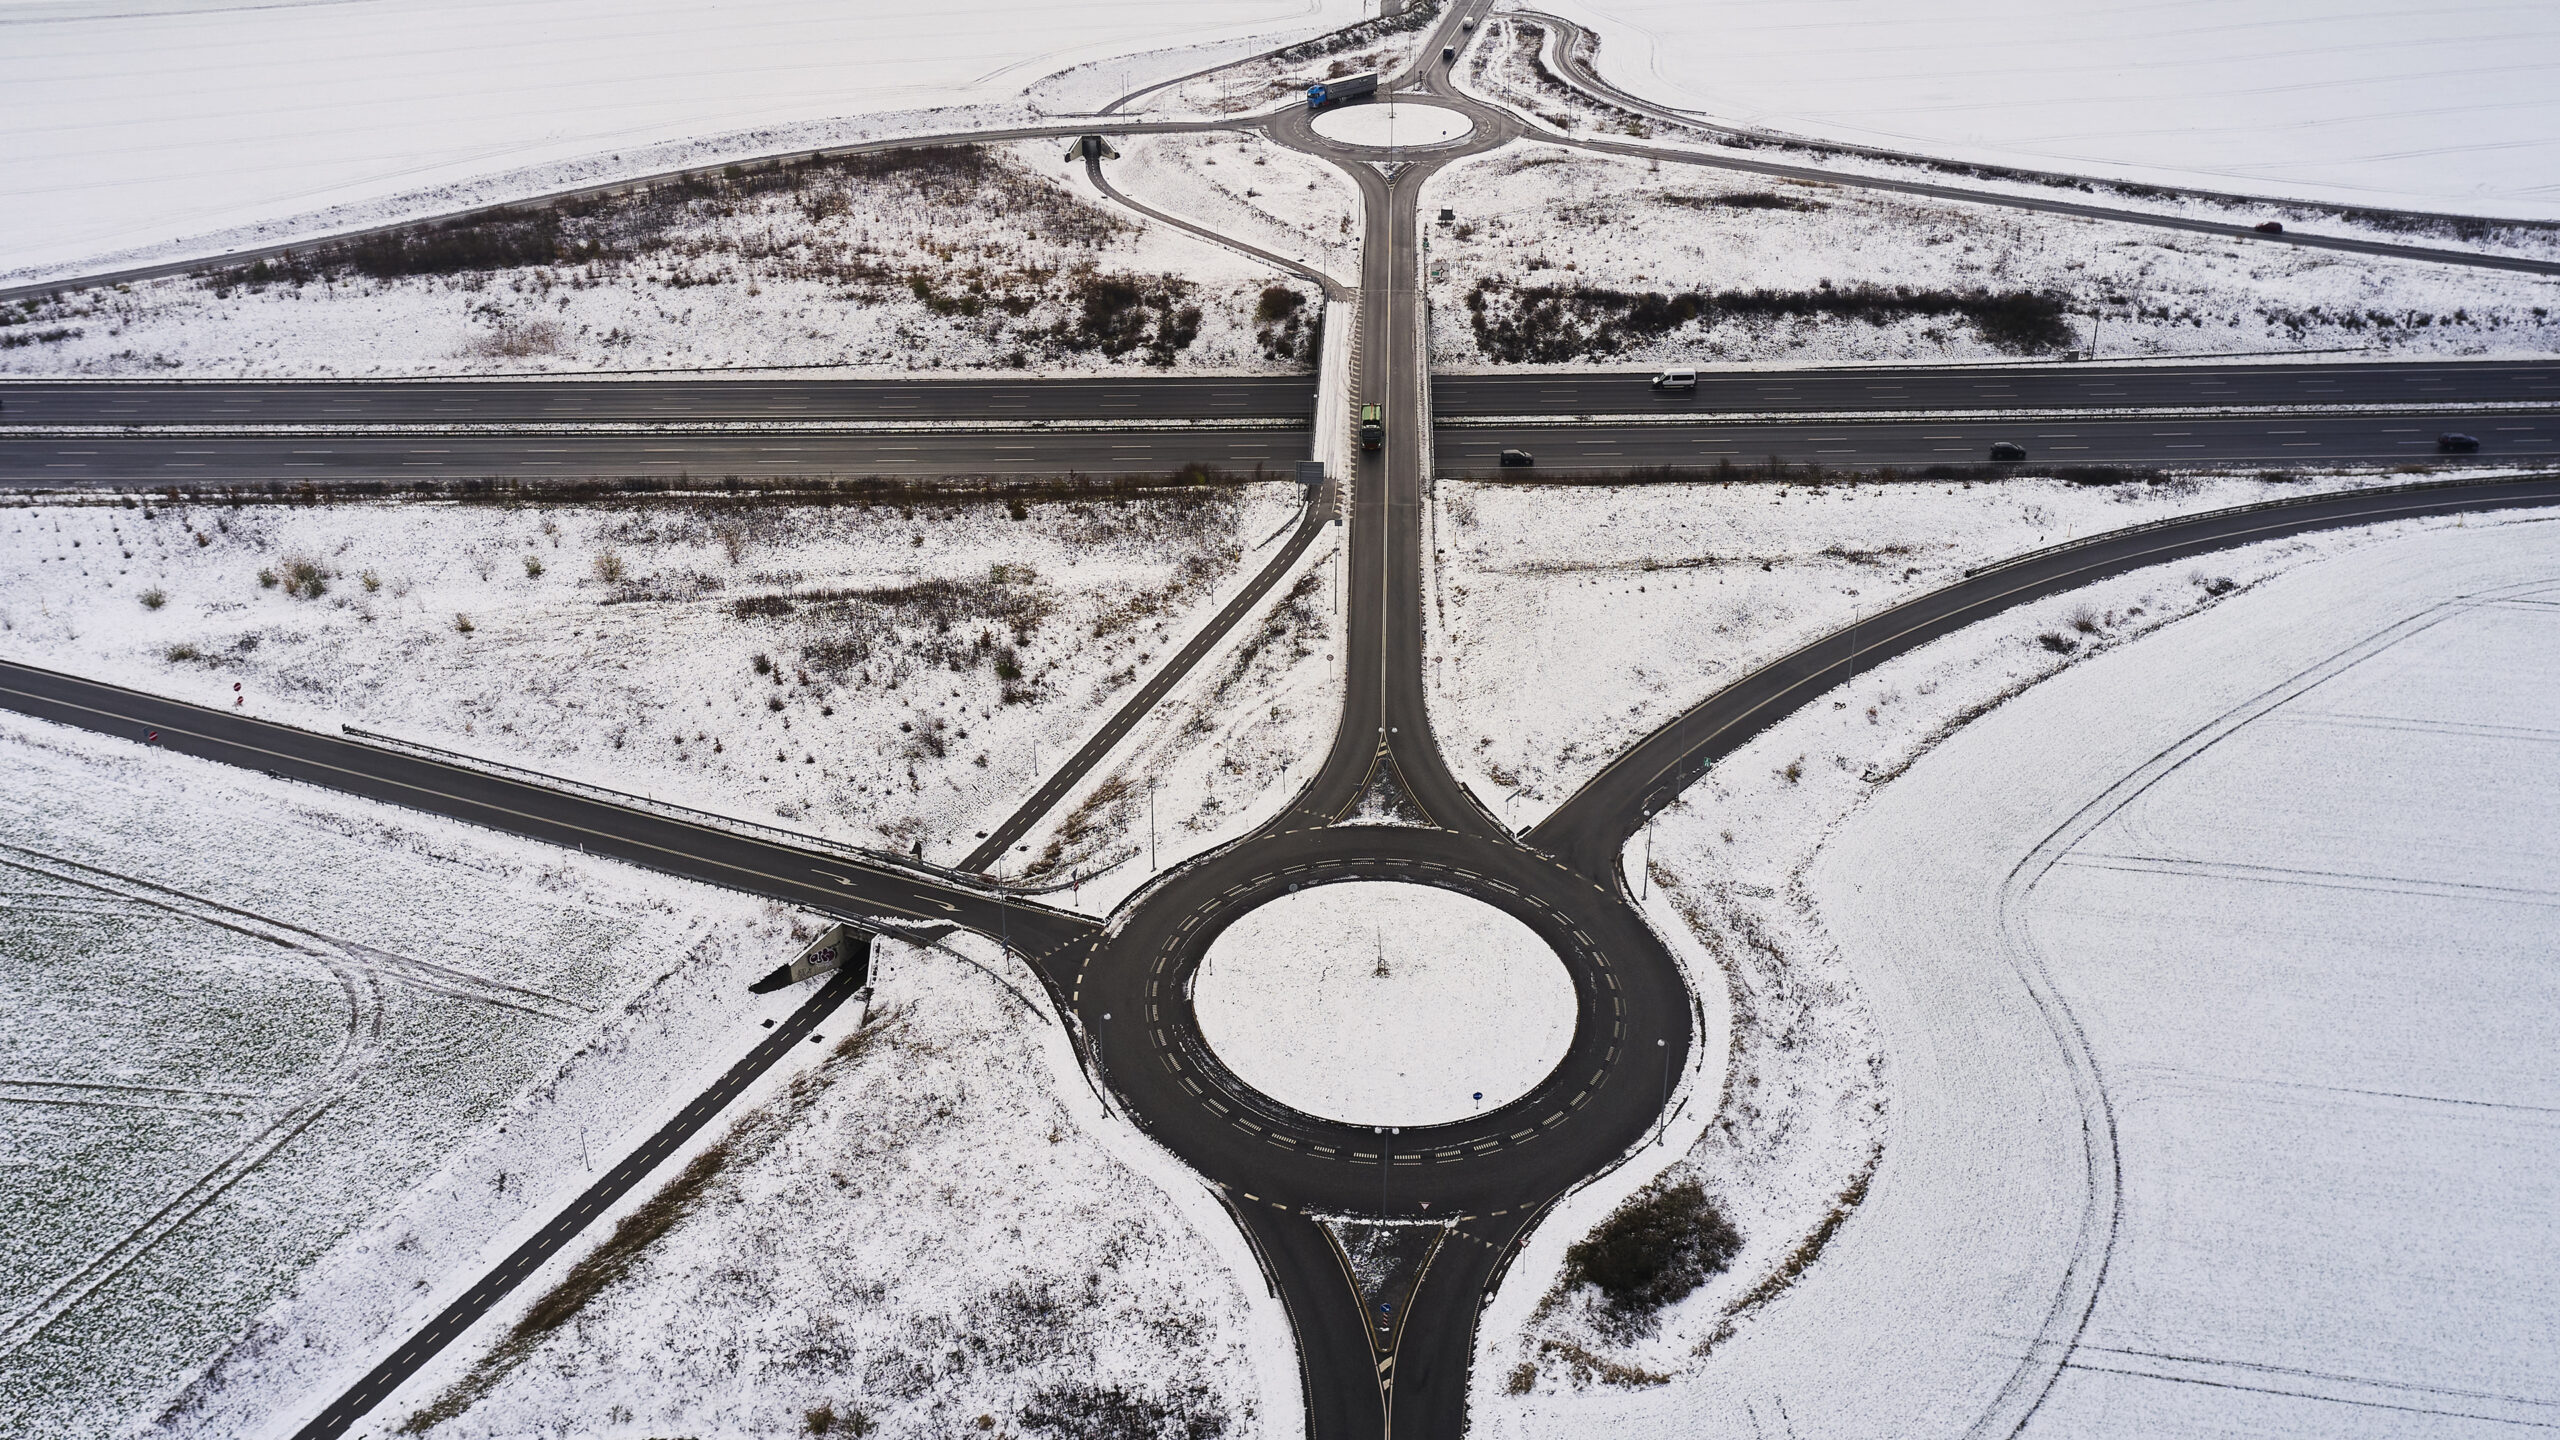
(1394, 126)
(1378, 1003)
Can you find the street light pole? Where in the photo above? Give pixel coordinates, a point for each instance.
(1664, 1124)
(1151, 822)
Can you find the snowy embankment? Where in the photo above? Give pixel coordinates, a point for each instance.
(1552, 250)
(1692, 586)
(942, 258)
(136, 133)
(885, 675)
(2442, 107)
(1382, 1003)
(279, 1014)
(2002, 894)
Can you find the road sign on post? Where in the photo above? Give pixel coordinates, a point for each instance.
(837, 947)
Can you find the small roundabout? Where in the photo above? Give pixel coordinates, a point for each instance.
(1578, 1009)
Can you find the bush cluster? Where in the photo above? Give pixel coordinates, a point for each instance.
(1552, 324)
(1654, 1251)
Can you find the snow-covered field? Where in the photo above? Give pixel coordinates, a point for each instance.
(246, 1016)
(2407, 105)
(882, 675)
(130, 126)
(972, 258)
(1381, 1003)
(1546, 218)
(919, 1229)
(1959, 962)
(1569, 622)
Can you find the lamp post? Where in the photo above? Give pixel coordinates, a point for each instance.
(1662, 1126)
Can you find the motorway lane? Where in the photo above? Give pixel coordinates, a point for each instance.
(1590, 830)
(219, 460)
(2003, 387)
(2281, 440)
(342, 1413)
(647, 400)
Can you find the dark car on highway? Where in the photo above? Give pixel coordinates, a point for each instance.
(2008, 450)
(1518, 457)
(2454, 442)
(2270, 227)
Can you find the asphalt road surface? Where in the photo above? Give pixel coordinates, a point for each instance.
(2005, 387)
(647, 400)
(259, 459)
(854, 884)
(2361, 438)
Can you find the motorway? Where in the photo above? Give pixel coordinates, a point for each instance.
(2050, 438)
(67, 433)
(661, 400)
(2273, 382)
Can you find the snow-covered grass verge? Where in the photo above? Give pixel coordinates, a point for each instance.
(1568, 622)
(134, 127)
(1561, 257)
(1515, 65)
(882, 675)
(916, 1230)
(1382, 1003)
(274, 1012)
(947, 257)
(1898, 1141)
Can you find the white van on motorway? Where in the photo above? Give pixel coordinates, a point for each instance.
(1680, 381)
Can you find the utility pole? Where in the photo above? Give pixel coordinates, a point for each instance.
(1664, 1124)
(1151, 822)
